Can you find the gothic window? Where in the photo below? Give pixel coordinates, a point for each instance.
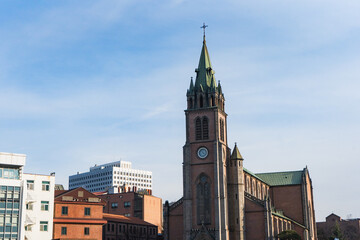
(205, 128)
(203, 200)
(247, 184)
(201, 101)
(222, 137)
(258, 190)
(253, 188)
(212, 101)
(198, 129)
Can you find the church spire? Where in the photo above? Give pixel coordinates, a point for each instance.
(236, 154)
(204, 73)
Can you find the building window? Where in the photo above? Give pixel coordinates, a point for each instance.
(127, 204)
(222, 132)
(30, 184)
(29, 206)
(45, 186)
(63, 230)
(198, 129)
(114, 205)
(203, 200)
(44, 206)
(127, 214)
(28, 228)
(44, 226)
(64, 210)
(205, 126)
(86, 231)
(87, 211)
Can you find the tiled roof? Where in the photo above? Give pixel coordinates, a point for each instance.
(254, 175)
(281, 178)
(123, 219)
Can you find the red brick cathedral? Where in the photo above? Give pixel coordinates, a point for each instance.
(222, 200)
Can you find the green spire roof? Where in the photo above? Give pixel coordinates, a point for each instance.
(236, 154)
(205, 78)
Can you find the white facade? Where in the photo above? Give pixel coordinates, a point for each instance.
(110, 175)
(39, 205)
(11, 196)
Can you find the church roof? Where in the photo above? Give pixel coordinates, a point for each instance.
(282, 178)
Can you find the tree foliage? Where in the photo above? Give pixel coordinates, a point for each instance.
(289, 235)
(336, 233)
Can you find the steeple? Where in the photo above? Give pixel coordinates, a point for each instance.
(204, 73)
(205, 92)
(236, 154)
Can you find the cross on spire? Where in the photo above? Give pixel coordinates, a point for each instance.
(203, 27)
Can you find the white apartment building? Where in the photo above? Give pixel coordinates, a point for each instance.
(39, 205)
(112, 175)
(26, 201)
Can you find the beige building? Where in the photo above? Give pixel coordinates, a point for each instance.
(222, 200)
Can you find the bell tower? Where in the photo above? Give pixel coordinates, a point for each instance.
(205, 205)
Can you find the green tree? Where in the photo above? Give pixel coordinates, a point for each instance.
(289, 235)
(336, 233)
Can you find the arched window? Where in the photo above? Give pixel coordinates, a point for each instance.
(247, 184)
(205, 127)
(212, 101)
(201, 101)
(222, 130)
(198, 129)
(203, 200)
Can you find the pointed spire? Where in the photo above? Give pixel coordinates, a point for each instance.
(219, 88)
(191, 88)
(236, 154)
(204, 72)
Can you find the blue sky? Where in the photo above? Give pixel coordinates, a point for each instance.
(89, 82)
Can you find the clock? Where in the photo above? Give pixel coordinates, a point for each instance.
(202, 152)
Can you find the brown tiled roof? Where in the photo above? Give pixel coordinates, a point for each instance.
(123, 219)
(59, 194)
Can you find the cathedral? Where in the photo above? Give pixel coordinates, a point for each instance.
(222, 200)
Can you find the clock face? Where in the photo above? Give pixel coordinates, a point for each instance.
(202, 152)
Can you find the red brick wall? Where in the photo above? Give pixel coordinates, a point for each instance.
(176, 224)
(76, 231)
(288, 199)
(254, 220)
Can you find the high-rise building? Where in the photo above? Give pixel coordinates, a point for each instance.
(11, 195)
(222, 200)
(117, 174)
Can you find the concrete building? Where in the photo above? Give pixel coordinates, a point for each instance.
(121, 227)
(11, 195)
(78, 215)
(112, 175)
(39, 202)
(131, 204)
(221, 199)
(350, 228)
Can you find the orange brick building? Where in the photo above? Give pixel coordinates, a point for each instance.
(133, 204)
(119, 227)
(78, 215)
(221, 199)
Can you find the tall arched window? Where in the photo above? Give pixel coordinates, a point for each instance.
(201, 101)
(198, 129)
(205, 128)
(203, 200)
(222, 137)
